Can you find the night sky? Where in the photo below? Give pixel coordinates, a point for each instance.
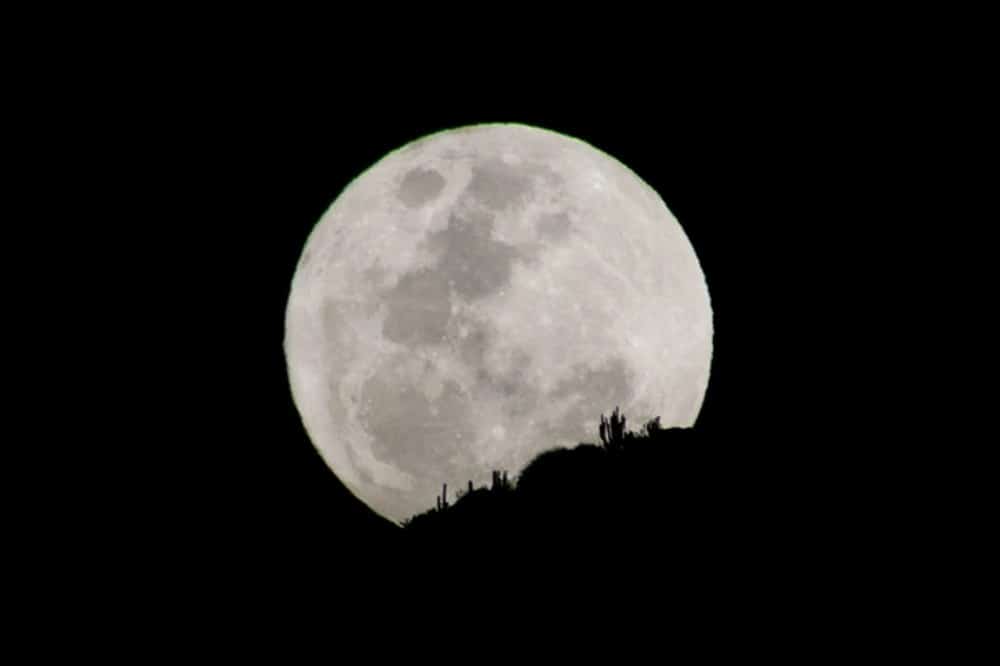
(758, 172)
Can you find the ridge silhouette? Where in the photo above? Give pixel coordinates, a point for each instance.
(676, 513)
(663, 512)
(631, 484)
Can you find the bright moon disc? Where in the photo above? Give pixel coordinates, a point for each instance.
(481, 295)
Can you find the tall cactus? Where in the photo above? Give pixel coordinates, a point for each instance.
(442, 499)
(613, 431)
(500, 481)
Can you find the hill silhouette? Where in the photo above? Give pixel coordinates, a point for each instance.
(665, 512)
(631, 484)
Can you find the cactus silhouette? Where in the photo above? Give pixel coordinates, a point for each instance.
(580, 492)
(613, 432)
(442, 500)
(500, 481)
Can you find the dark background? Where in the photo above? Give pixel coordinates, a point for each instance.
(184, 160)
(740, 177)
(750, 172)
(771, 165)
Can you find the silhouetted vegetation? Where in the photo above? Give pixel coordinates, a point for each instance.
(669, 509)
(589, 491)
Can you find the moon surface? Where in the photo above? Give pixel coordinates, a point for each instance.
(484, 294)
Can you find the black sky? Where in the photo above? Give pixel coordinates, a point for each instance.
(764, 169)
(177, 164)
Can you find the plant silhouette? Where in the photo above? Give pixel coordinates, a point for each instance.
(675, 510)
(589, 492)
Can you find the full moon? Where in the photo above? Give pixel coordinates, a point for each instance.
(481, 295)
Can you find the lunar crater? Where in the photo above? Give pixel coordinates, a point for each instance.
(477, 265)
(418, 308)
(554, 227)
(420, 186)
(498, 185)
(411, 431)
